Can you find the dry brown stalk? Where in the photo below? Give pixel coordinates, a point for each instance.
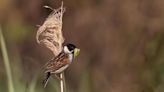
(50, 35)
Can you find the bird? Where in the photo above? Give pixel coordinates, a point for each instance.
(61, 62)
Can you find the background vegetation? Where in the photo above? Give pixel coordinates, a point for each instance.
(121, 42)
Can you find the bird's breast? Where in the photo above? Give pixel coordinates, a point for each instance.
(61, 69)
(70, 56)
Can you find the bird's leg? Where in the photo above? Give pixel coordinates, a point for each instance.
(45, 81)
(58, 77)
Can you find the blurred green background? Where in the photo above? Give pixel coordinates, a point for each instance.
(121, 42)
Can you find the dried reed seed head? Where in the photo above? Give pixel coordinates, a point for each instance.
(50, 33)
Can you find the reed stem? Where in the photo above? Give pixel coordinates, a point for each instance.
(62, 83)
(6, 62)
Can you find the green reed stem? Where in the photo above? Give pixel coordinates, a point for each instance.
(6, 62)
(62, 83)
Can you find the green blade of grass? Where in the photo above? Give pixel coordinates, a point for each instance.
(6, 62)
(32, 85)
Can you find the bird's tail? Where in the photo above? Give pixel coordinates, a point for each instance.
(45, 81)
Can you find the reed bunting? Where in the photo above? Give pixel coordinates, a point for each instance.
(61, 62)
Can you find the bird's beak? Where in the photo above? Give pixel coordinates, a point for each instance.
(76, 52)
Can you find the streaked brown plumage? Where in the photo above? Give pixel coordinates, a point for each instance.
(56, 63)
(60, 62)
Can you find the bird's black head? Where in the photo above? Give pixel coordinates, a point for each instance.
(70, 46)
(71, 49)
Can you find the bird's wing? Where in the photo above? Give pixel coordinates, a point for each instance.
(57, 63)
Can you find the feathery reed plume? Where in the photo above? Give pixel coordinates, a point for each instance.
(50, 33)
